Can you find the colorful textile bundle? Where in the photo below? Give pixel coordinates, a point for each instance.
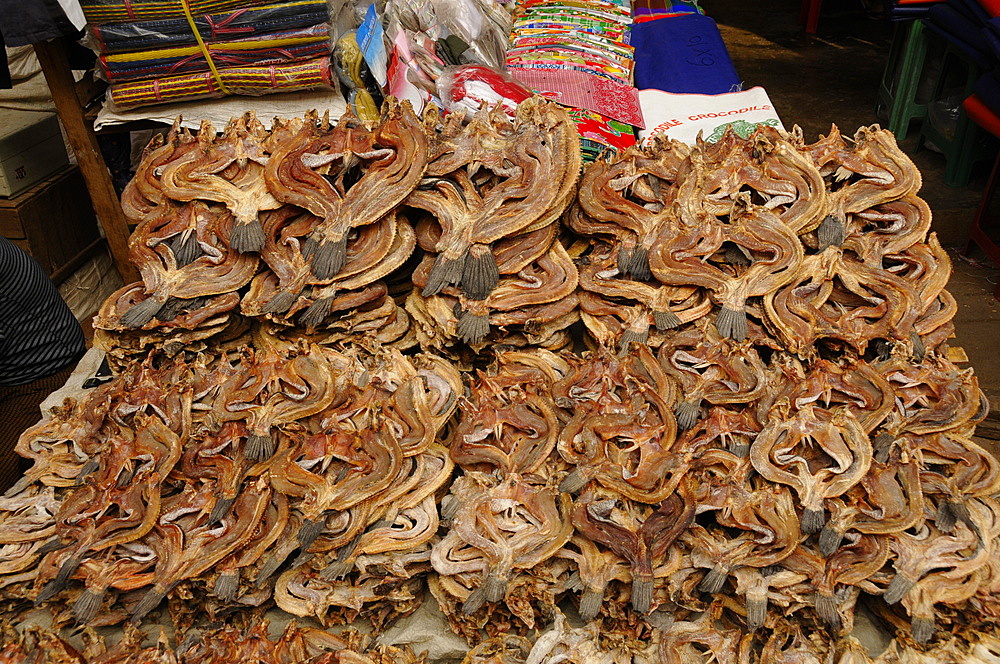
(239, 24)
(178, 55)
(650, 10)
(249, 80)
(270, 48)
(576, 52)
(109, 11)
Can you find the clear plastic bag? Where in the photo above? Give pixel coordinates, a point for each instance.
(469, 86)
(943, 114)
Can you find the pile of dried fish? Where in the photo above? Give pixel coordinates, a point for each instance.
(202, 475)
(493, 268)
(297, 225)
(797, 300)
(709, 639)
(244, 641)
(765, 435)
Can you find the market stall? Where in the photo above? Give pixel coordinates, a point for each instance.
(512, 382)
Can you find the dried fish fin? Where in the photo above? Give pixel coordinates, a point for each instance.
(149, 601)
(495, 588)
(732, 323)
(476, 600)
(590, 604)
(310, 530)
(829, 540)
(227, 585)
(260, 447)
(642, 594)
(740, 449)
(328, 257)
(444, 272)
(573, 482)
(220, 509)
(247, 237)
(17, 487)
(338, 569)
(270, 566)
(624, 261)
(449, 507)
(883, 349)
(301, 559)
(714, 580)
(185, 248)
(882, 444)
(831, 232)
(737, 255)
(480, 274)
(898, 587)
(946, 517)
(813, 521)
(472, 328)
(86, 606)
(317, 312)
(89, 467)
(826, 609)
(756, 611)
(665, 320)
(280, 303)
(53, 544)
(638, 266)
(141, 313)
(67, 569)
(919, 347)
(126, 475)
(630, 337)
(922, 629)
(687, 413)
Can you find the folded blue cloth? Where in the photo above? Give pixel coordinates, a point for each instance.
(682, 54)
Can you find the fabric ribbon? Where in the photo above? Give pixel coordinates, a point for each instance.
(203, 47)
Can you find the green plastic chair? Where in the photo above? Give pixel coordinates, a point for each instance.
(968, 143)
(897, 92)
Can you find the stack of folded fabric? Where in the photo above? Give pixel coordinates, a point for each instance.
(650, 10)
(576, 52)
(682, 54)
(164, 52)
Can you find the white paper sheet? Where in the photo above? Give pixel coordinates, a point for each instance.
(219, 111)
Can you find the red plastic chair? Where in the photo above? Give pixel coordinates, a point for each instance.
(985, 220)
(809, 15)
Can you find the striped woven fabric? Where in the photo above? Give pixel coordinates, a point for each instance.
(266, 49)
(242, 23)
(252, 80)
(108, 11)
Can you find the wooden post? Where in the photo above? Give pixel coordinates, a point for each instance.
(55, 65)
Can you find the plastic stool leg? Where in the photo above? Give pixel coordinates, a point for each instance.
(809, 15)
(904, 107)
(958, 168)
(813, 23)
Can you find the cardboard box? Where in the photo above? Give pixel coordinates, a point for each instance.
(54, 221)
(31, 148)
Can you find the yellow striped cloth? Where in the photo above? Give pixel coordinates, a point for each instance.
(251, 80)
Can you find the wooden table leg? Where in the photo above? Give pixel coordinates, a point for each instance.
(55, 66)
